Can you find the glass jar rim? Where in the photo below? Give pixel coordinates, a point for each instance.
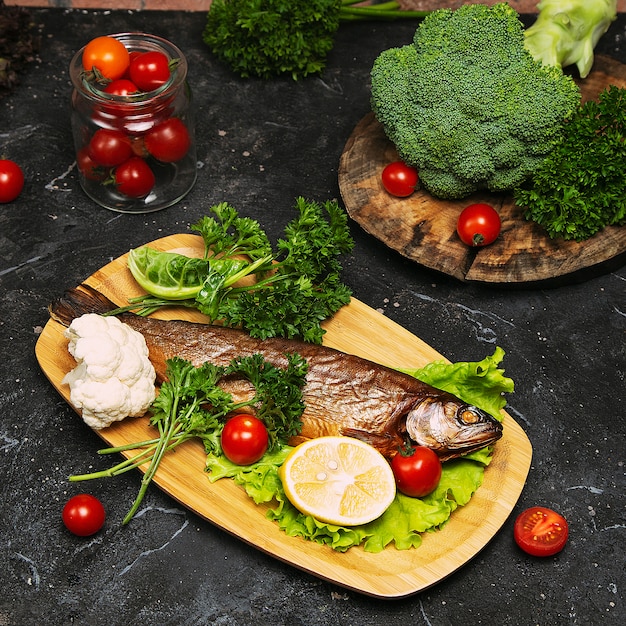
(133, 41)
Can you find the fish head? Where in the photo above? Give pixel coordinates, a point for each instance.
(450, 426)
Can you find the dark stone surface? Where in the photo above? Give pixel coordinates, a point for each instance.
(565, 350)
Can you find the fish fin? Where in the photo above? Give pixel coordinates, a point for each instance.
(387, 445)
(78, 301)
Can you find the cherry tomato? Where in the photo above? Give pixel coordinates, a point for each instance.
(121, 87)
(417, 472)
(88, 167)
(83, 515)
(116, 109)
(134, 178)
(109, 147)
(150, 70)
(132, 55)
(11, 180)
(400, 179)
(478, 225)
(107, 55)
(244, 439)
(540, 531)
(168, 141)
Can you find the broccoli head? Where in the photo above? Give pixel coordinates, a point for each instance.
(467, 105)
(567, 31)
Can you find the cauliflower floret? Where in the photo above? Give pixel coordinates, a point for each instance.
(85, 326)
(102, 403)
(99, 353)
(113, 378)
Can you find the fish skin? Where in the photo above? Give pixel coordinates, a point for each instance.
(343, 394)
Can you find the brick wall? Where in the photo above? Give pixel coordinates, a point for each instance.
(521, 6)
(182, 5)
(203, 5)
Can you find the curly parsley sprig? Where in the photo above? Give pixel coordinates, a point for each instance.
(267, 38)
(191, 404)
(581, 186)
(287, 293)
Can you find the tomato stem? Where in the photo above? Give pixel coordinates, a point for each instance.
(406, 449)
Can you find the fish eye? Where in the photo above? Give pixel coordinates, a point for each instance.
(469, 415)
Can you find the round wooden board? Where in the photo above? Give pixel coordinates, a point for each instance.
(423, 228)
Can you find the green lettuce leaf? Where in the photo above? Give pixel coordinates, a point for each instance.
(480, 383)
(260, 480)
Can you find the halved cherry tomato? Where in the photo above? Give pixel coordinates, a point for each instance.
(11, 180)
(107, 55)
(540, 531)
(134, 178)
(244, 439)
(478, 225)
(150, 70)
(400, 179)
(417, 471)
(168, 141)
(83, 515)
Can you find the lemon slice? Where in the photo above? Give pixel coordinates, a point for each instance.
(338, 480)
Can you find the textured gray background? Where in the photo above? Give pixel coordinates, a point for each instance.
(260, 145)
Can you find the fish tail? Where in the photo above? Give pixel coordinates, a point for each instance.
(78, 301)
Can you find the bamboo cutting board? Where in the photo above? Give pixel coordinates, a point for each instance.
(356, 329)
(423, 228)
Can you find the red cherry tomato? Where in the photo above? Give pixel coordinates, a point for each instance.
(150, 70)
(88, 167)
(132, 55)
(417, 472)
(478, 225)
(108, 55)
(168, 141)
(400, 179)
(134, 178)
(11, 180)
(109, 147)
(540, 531)
(244, 439)
(121, 87)
(83, 515)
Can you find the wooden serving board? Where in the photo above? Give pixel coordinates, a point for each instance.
(423, 228)
(357, 329)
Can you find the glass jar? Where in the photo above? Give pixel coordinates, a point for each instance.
(158, 125)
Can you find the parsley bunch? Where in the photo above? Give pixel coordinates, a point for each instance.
(191, 404)
(266, 38)
(244, 283)
(581, 186)
(296, 289)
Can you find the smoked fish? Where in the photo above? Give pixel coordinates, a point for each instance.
(343, 394)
